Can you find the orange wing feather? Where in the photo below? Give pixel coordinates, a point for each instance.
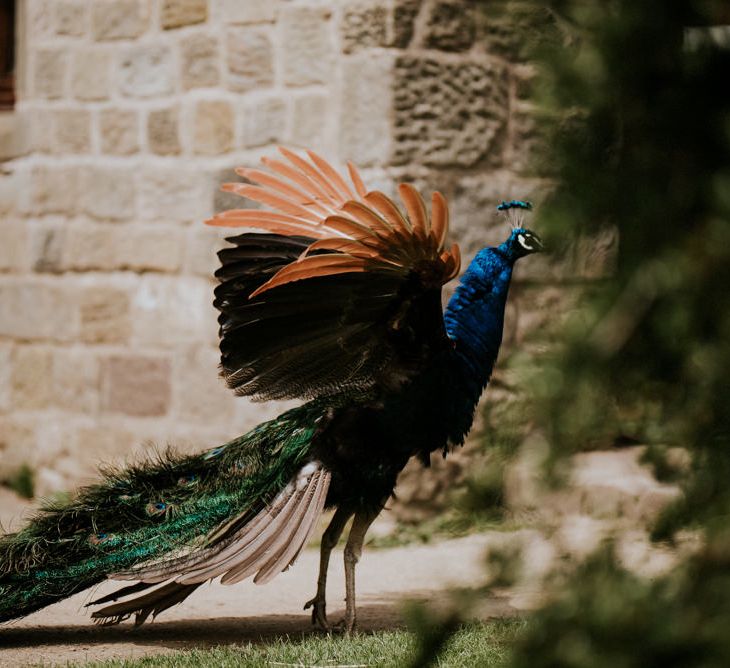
(366, 231)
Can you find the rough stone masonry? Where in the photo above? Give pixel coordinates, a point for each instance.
(130, 114)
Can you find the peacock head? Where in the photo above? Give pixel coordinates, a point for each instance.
(521, 241)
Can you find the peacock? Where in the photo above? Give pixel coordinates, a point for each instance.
(335, 300)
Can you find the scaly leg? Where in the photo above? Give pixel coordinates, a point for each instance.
(329, 540)
(353, 550)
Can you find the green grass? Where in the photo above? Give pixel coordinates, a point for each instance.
(482, 644)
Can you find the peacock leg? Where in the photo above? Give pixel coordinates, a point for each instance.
(353, 550)
(329, 541)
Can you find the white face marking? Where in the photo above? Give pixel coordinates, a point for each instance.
(523, 242)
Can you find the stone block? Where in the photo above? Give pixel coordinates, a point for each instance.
(308, 47)
(89, 246)
(91, 74)
(264, 121)
(14, 246)
(105, 315)
(70, 17)
(108, 193)
(137, 385)
(168, 194)
(250, 59)
(367, 100)
(214, 127)
(363, 25)
(49, 73)
(146, 71)
(72, 131)
(29, 380)
(310, 119)
(169, 310)
(76, 382)
(462, 119)
(450, 26)
(53, 315)
(251, 11)
(41, 129)
(178, 13)
(145, 248)
(119, 19)
(6, 367)
(119, 131)
(201, 246)
(200, 62)
(46, 247)
(163, 136)
(405, 13)
(200, 395)
(108, 444)
(54, 190)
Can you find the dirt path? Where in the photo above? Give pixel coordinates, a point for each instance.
(246, 612)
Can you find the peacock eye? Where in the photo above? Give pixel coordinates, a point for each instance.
(523, 242)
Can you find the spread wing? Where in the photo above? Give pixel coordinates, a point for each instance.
(344, 289)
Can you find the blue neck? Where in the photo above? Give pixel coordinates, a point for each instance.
(474, 321)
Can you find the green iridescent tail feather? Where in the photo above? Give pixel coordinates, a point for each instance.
(147, 512)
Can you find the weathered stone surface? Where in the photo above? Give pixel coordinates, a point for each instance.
(365, 134)
(168, 310)
(119, 19)
(450, 26)
(459, 122)
(214, 127)
(404, 17)
(119, 131)
(49, 73)
(264, 120)
(178, 13)
(147, 71)
(100, 246)
(91, 70)
(18, 446)
(140, 248)
(250, 59)
(53, 316)
(107, 444)
(136, 385)
(364, 25)
(70, 17)
(46, 247)
(54, 189)
(76, 383)
(14, 246)
(6, 366)
(308, 48)
(310, 119)
(251, 11)
(105, 315)
(162, 131)
(201, 246)
(72, 131)
(168, 194)
(200, 60)
(30, 389)
(200, 395)
(108, 193)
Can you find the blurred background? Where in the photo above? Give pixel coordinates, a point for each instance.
(606, 423)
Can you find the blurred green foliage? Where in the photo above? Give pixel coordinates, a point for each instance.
(22, 482)
(634, 114)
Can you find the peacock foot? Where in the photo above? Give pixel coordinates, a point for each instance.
(319, 613)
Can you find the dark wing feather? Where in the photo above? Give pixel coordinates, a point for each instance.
(355, 304)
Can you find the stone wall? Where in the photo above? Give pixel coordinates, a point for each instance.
(130, 115)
